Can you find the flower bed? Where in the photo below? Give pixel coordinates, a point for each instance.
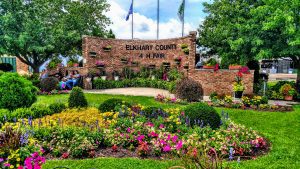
(134, 131)
(53, 92)
(19, 150)
(164, 99)
(247, 102)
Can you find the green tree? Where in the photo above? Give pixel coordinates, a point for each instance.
(38, 30)
(240, 31)
(111, 34)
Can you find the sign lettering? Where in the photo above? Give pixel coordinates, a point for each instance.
(151, 48)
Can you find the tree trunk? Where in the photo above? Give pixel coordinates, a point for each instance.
(36, 69)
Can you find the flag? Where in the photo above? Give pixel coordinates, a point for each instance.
(130, 12)
(181, 11)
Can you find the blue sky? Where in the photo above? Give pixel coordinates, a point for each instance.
(145, 17)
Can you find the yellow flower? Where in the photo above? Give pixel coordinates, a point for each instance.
(18, 159)
(11, 166)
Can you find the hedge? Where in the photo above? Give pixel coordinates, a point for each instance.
(109, 84)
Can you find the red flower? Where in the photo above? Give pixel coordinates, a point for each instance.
(143, 148)
(216, 68)
(240, 74)
(114, 148)
(65, 155)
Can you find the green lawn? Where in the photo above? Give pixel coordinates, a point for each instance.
(282, 129)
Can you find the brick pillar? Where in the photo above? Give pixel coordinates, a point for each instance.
(192, 53)
(21, 67)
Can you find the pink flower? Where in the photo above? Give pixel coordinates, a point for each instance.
(20, 167)
(35, 154)
(128, 130)
(36, 166)
(161, 126)
(42, 150)
(140, 138)
(169, 137)
(173, 100)
(182, 113)
(179, 145)
(174, 138)
(27, 162)
(162, 142)
(167, 148)
(153, 134)
(6, 165)
(149, 124)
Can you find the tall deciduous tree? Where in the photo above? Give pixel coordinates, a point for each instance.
(239, 30)
(38, 30)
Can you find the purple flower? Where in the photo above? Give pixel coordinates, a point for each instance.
(1, 160)
(24, 138)
(231, 153)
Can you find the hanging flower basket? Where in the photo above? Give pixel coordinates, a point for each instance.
(124, 60)
(166, 64)
(178, 60)
(151, 66)
(107, 48)
(186, 66)
(92, 54)
(100, 64)
(134, 63)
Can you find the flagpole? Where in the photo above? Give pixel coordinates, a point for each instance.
(183, 18)
(157, 35)
(132, 22)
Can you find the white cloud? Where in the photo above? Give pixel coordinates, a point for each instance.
(144, 27)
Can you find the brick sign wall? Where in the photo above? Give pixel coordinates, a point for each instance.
(156, 52)
(145, 53)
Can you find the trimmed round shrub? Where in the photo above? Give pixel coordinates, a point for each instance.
(40, 110)
(35, 79)
(77, 98)
(57, 107)
(199, 113)
(21, 113)
(16, 91)
(111, 104)
(154, 112)
(48, 84)
(189, 90)
(4, 113)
